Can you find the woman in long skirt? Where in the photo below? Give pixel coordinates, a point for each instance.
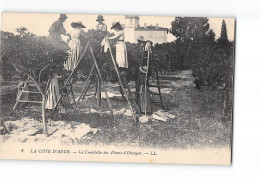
(75, 46)
(121, 52)
(144, 99)
(53, 92)
(122, 62)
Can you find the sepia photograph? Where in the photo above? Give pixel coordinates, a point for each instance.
(117, 88)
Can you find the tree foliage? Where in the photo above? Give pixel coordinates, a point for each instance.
(30, 54)
(210, 60)
(195, 47)
(191, 33)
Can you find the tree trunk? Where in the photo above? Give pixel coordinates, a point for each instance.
(43, 116)
(38, 86)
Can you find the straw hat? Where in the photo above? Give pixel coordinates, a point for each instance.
(63, 16)
(75, 24)
(100, 18)
(114, 24)
(140, 38)
(143, 69)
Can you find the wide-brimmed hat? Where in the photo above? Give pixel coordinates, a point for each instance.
(76, 24)
(100, 18)
(143, 69)
(140, 38)
(63, 16)
(114, 24)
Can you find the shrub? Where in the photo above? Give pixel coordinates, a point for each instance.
(31, 53)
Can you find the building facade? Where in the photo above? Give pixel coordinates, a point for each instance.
(132, 30)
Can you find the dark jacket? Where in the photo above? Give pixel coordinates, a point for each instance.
(56, 30)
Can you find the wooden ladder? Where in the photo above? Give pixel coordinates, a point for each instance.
(157, 85)
(25, 90)
(148, 85)
(89, 81)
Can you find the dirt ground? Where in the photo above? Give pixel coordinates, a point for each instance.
(196, 119)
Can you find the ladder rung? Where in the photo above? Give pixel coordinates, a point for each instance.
(24, 101)
(31, 92)
(156, 102)
(31, 85)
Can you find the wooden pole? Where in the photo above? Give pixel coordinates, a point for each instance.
(43, 116)
(73, 72)
(145, 85)
(120, 81)
(102, 82)
(98, 91)
(83, 89)
(159, 87)
(77, 64)
(43, 103)
(99, 86)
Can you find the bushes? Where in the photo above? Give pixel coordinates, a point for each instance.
(30, 53)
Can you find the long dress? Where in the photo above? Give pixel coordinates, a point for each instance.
(121, 51)
(75, 50)
(53, 93)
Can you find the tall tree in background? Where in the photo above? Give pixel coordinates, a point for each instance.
(223, 35)
(191, 33)
(188, 28)
(225, 49)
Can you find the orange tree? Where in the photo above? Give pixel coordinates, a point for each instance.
(30, 55)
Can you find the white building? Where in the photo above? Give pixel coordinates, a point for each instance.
(132, 30)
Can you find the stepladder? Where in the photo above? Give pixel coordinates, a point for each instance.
(89, 81)
(95, 68)
(155, 84)
(95, 75)
(30, 91)
(26, 93)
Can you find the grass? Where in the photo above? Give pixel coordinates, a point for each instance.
(199, 120)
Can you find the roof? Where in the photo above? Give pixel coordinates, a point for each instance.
(151, 28)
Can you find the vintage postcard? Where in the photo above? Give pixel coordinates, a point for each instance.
(116, 88)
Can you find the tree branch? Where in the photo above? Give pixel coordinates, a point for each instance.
(40, 74)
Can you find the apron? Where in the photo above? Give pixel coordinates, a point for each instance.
(121, 54)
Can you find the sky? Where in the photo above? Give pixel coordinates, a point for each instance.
(39, 23)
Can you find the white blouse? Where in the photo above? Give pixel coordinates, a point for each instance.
(119, 34)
